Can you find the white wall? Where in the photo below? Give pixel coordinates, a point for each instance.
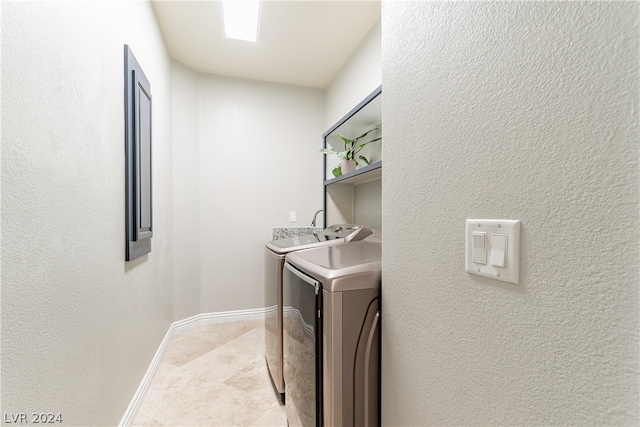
(516, 110)
(185, 133)
(236, 145)
(254, 137)
(367, 206)
(79, 325)
(360, 76)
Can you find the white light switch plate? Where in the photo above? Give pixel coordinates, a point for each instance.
(511, 228)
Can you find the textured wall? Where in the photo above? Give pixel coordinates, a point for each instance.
(79, 325)
(517, 110)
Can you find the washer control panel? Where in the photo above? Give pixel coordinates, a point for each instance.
(348, 232)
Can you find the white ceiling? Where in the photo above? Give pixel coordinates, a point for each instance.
(300, 42)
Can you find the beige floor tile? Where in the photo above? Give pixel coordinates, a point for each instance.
(275, 416)
(144, 421)
(185, 348)
(252, 377)
(213, 375)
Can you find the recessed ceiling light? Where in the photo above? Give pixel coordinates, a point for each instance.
(241, 19)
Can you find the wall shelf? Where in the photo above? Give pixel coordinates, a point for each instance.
(358, 176)
(356, 197)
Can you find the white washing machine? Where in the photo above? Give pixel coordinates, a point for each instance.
(274, 257)
(331, 300)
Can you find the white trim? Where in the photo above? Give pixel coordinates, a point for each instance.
(204, 318)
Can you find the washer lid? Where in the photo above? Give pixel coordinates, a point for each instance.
(347, 267)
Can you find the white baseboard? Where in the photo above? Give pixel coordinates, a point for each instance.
(199, 319)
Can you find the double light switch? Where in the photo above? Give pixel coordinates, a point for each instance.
(493, 249)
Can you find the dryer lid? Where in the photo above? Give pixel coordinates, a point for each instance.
(351, 266)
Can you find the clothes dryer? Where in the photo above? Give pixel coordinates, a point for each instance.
(331, 300)
(274, 257)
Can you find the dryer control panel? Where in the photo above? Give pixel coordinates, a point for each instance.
(348, 232)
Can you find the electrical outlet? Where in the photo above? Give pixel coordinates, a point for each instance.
(292, 216)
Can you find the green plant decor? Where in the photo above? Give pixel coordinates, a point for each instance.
(351, 150)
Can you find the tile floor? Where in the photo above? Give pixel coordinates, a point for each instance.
(213, 375)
